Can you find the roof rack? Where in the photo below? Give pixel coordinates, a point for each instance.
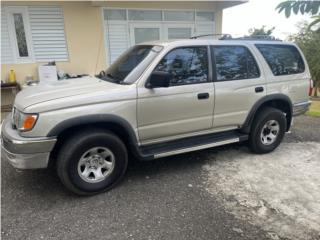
(229, 37)
(256, 37)
(223, 36)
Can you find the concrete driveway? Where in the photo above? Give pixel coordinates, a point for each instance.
(211, 194)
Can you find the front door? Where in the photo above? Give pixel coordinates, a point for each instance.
(143, 32)
(184, 107)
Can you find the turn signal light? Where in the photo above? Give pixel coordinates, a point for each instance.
(28, 122)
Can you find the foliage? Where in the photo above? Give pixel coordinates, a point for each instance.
(309, 7)
(314, 110)
(315, 21)
(309, 42)
(260, 31)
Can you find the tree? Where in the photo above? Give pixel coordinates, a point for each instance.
(309, 43)
(260, 31)
(309, 7)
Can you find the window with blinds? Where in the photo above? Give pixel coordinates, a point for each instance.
(36, 34)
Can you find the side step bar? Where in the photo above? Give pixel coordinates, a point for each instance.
(190, 144)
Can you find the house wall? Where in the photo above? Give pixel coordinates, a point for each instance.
(84, 34)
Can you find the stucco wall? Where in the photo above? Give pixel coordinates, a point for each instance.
(84, 34)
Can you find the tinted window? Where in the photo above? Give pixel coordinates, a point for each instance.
(187, 65)
(234, 63)
(282, 59)
(128, 61)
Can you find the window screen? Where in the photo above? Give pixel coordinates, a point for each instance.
(145, 15)
(205, 16)
(115, 14)
(282, 59)
(178, 15)
(188, 65)
(179, 33)
(234, 63)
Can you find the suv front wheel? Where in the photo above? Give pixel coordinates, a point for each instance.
(268, 129)
(92, 161)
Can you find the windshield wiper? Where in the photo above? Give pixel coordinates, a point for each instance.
(110, 76)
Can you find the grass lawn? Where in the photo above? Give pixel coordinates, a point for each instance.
(314, 110)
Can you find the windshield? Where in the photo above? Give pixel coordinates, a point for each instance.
(130, 59)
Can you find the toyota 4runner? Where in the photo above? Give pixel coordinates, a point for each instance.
(158, 99)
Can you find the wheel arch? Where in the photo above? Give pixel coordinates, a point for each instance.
(114, 124)
(278, 101)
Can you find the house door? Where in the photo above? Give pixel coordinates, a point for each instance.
(141, 32)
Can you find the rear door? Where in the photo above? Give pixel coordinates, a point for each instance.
(239, 84)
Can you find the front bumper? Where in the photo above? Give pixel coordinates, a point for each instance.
(301, 108)
(22, 152)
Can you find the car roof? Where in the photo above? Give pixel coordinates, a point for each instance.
(206, 41)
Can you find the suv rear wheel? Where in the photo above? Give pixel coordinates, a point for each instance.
(268, 129)
(92, 161)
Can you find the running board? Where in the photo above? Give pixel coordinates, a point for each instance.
(190, 144)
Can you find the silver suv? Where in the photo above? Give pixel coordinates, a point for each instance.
(158, 99)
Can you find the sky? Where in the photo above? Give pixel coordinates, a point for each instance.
(256, 13)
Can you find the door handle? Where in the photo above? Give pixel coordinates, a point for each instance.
(203, 96)
(259, 89)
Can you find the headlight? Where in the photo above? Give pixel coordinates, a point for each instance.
(24, 121)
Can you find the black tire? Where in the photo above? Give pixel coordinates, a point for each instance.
(73, 149)
(265, 115)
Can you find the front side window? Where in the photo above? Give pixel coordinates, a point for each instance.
(234, 63)
(187, 65)
(282, 59)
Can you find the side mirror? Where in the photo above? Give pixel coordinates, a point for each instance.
(159, 80)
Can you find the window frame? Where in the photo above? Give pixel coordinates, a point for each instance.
(281, 45)
(214, 66)
(209, 65)
(23, 10)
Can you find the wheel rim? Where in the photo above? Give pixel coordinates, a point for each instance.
(96, 164)
(269, 132)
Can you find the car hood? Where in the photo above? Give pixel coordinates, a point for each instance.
(64, 90)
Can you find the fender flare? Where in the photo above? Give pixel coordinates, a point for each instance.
(277, 96)
(93, 119)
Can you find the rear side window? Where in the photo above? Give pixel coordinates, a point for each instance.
(282, 59)
(234, 63)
